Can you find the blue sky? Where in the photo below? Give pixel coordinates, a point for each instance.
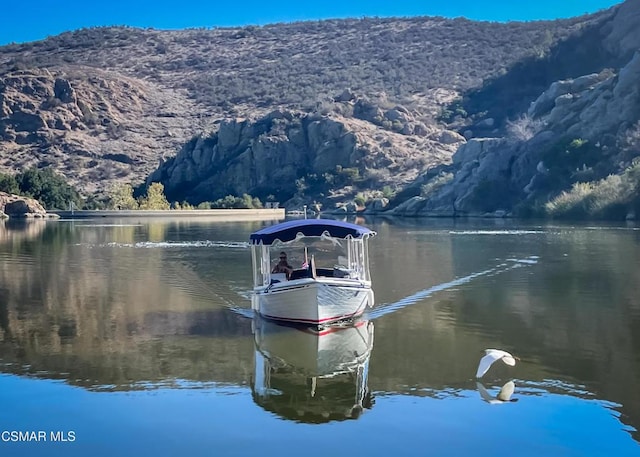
(37, 19)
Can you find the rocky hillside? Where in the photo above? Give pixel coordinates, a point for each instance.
(93, 126)
(575, 146)
(352, 145)
(327, 111)
(104, 105)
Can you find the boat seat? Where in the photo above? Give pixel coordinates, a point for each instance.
(327, 272)
(343, 273)
(278, 277)
(300, 273)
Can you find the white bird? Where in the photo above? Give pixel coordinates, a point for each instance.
(503, 396)
(491, 356)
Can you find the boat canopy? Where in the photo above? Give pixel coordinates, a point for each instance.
(288, 231)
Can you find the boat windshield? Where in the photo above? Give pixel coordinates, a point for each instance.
(333, 257)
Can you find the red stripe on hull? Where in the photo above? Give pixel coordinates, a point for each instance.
(337, 329)
(312, 321)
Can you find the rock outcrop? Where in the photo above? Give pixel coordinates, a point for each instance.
(496, 175)
(623, 38)
(18, 206)
(377, 205)
(91, 126)
(592, 105)
(285, 153)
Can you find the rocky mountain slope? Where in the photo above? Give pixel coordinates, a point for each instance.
(104, 105)
(93, 126)
(579, 130)
(326, 156)
(324, 111)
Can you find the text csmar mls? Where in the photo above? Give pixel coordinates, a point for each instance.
(26, 436)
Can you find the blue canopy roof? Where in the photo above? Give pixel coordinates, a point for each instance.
(287, 231)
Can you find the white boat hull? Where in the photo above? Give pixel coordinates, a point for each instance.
(325, 353)
(313, 301)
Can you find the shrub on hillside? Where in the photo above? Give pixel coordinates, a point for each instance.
(230, 201)
(523, 128)
(611, 197)
(121, 197)
(155, 198)
(9, 184)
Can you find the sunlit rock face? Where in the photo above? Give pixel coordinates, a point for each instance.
(91, 126)
(18, 206)
(269, 154)
(494, 175)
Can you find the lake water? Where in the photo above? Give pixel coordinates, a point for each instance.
(121, 337)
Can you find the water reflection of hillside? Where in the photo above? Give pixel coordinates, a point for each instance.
(16, 230)
(73, 306)
(574, 316)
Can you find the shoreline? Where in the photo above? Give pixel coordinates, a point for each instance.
(240, 214)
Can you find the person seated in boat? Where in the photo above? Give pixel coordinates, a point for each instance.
(283, 265)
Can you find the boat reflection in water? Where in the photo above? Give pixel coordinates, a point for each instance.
(312, 375)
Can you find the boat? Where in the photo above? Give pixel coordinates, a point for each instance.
(332, 281)
(312, 375)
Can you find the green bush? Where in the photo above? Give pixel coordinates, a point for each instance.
(48, 188)
(230, 201)
(388, 192)
(121, 197)
(9, 184)
(155, 198)
(610, 198)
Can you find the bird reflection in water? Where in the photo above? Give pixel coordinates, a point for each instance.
(312, 375)
(504, 396)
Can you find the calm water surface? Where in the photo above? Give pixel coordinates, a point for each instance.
(135, 338)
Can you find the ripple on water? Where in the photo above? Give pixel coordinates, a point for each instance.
(416, 297)
(175, 244)
(107, 225)
(496, 232)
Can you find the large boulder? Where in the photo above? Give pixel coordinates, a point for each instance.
(18, 206)
(545, 102)
(346, 96)
(474, 149)
(377, 205)
(450, 137)
(347, 208)
(411, 207)
(63, 91)
(367, 111)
